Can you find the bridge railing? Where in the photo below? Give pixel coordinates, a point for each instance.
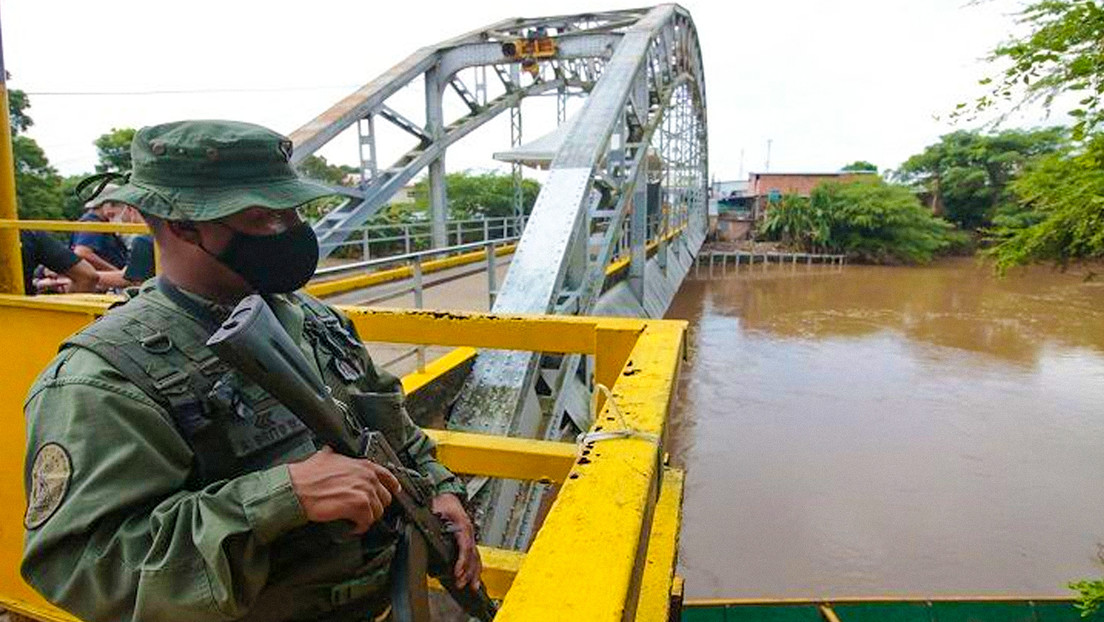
(388, 239)
(615, 520)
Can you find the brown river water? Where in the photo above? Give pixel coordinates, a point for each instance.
(867, 431)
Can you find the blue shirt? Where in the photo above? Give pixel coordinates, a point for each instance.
(108, 246)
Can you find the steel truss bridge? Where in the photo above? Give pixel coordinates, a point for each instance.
(635, 152)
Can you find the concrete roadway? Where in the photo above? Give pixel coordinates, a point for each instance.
(463, 288)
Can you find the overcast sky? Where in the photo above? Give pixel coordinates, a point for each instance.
(826, 82)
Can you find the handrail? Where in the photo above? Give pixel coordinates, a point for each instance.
(71, 225)
(383, 261)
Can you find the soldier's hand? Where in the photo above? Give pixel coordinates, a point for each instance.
(468, 564)
(334, 487)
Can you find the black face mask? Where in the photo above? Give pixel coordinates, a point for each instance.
(272, 264)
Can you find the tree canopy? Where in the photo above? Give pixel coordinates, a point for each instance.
(478, 195)
(967, 173)
(1060, 214)
(37, 184)
(860, 165)
(868, 219)
(317, 168)
(1055, 212)
(113, 149)
(1060, 59)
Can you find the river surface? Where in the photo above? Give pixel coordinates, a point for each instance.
(865, 431)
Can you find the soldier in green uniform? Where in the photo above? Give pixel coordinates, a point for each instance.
(163, 486)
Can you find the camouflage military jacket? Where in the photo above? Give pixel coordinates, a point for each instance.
(142, 508)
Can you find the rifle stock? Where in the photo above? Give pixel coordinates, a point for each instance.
(253, 342)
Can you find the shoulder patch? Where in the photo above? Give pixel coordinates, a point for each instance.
(50, 475)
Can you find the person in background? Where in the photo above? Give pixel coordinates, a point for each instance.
(140, 261)
(105, 251)
(40, 249)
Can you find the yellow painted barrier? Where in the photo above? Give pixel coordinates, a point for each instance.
(360, 281)
(594, 546)
(659, 573)
(72, 225)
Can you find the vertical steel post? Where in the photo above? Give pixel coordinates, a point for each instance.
(435, 127)
(492, 278)
(365, 254)
(638, 235)
(11, 258)
(366, 132)
(416, 270)
(515, 142)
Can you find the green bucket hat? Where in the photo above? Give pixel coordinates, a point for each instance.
(204, 170)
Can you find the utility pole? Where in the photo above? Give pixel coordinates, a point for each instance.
(766, 167)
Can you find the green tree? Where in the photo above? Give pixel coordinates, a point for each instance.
(1060, 214)
(71, 205)
(113, 149)
(317, 168)
(1062, 55)
(967, 173)
(479, 195)
(867, 219)
(37, 184)
(17, 112)
(861, 165)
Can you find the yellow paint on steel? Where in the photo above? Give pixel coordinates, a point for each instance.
(614, 342)
(35, 611)
(504, 456)
(592, 545)
(621, 264)
(32, 327)
(416, 380)
(480, 330)
(11, 259)
(659, 573)
(360, 281)
(499, 568)
(595, 533)
(69, 225)
(828, 614)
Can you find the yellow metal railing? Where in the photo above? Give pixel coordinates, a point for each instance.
(606, 549)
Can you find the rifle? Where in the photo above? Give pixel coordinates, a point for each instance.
(253, 342)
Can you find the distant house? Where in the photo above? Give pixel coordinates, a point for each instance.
(766, 188)
(728, 196)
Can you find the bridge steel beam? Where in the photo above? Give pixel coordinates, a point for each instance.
(641, 73)
(438, 66)
(655, 74)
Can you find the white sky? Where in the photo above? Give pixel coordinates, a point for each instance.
(828, 82)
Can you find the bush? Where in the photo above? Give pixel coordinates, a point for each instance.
(867, 219)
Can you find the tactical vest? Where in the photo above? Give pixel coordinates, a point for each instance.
(235, 427)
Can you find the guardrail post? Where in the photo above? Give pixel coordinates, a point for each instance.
(406, 239)
(486, 229)
(416, 270)
(492, 278)
(365, 244)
